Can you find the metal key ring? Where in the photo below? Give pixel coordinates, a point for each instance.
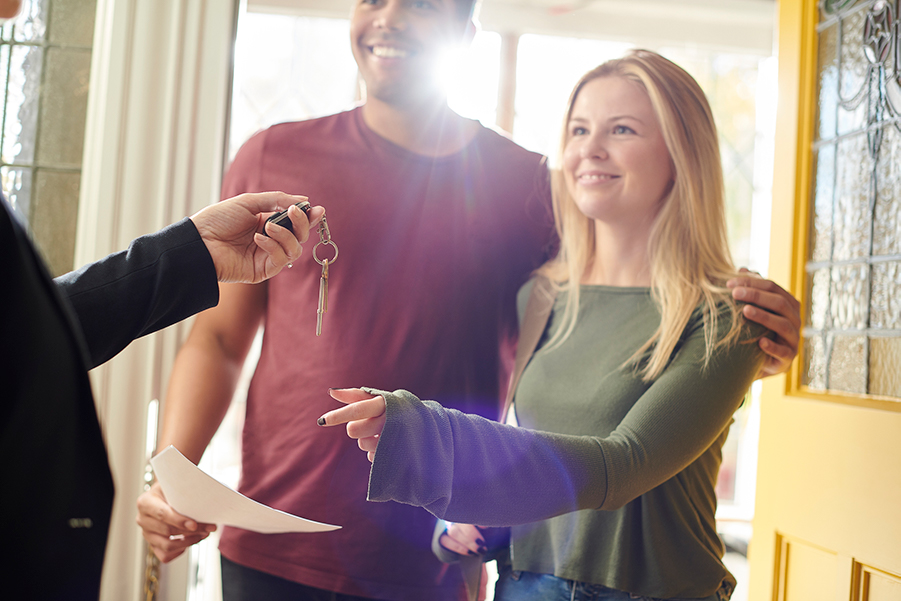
(329, 243)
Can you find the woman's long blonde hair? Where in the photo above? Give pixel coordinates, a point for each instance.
(688, 248)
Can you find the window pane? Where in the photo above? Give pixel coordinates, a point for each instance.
(78, 16)
(819, 299)
(887, 219)
(852, 219)
(853, 73)
(64, 107)
(31, 23)
(814, 374)
(55, 208)
(849, 297)
(885, 366)
(22, 101)
(847, 364)
(885, 312)
(828, 82)
(17, 187)
(824, 182)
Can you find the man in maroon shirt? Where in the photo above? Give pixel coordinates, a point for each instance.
(439, 221)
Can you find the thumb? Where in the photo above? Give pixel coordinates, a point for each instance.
(262, 202)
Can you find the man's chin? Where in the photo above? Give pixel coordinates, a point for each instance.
(407, 96)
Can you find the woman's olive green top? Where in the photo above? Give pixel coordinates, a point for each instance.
(608, 479)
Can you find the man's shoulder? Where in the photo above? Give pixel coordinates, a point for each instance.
(306, 129)
(500, 141)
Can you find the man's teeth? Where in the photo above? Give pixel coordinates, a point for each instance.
(389, 52)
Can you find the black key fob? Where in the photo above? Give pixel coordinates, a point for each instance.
(281, 218)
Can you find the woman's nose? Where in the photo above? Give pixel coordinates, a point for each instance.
(594, 146)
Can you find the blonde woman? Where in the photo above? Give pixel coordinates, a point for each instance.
(642, 358)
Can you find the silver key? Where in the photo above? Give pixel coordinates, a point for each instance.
(323, 296)
(325, 239)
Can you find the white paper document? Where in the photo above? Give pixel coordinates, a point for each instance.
(195, 494)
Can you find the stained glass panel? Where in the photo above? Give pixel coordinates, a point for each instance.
(852, 336)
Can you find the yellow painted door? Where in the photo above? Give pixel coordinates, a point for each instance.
(827, 523)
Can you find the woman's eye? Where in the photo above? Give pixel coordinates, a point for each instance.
(578, 131)
(622, 129)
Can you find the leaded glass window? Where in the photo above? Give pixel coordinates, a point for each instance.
(45, 63)
(852, 335)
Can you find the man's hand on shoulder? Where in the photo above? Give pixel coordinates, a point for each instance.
(773, 307)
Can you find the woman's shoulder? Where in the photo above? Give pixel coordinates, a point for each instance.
(522, 297)
(731, 325)
(537, 284)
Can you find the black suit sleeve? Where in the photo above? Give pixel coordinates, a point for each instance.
(161, 279)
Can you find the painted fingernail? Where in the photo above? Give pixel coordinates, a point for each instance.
(483, 549)
(480, 542)
(473, 553)
(321, 421)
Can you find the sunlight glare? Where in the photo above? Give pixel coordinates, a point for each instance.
(470, 77)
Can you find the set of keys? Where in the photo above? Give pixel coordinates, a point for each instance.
(325, 239)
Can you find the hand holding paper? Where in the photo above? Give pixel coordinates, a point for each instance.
(195, 494)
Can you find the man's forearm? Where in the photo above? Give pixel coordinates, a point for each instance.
(200, 391)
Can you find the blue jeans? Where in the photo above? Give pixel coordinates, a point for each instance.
(527, 586)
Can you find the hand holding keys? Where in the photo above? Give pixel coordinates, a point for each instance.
(325, 239)
(281, 218)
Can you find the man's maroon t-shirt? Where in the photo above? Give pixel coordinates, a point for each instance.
(432, 252)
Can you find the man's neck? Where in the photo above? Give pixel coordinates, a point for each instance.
(430, 129)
